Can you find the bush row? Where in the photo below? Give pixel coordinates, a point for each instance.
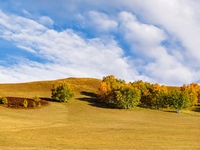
(17, 102)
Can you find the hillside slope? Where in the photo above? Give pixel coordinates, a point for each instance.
(81, 124)
(43, 88)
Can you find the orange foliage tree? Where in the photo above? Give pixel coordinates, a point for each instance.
(108, 87)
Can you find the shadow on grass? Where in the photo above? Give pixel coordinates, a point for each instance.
(49, 99)
(158, 109)
(197, 109)
(92, 98)
(170, 111)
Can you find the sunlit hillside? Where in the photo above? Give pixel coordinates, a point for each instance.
(43, 88)
(82, 123)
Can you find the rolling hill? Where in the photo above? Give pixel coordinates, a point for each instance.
(43, 88)
(81, 124)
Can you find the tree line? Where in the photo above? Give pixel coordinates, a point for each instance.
(116, 92)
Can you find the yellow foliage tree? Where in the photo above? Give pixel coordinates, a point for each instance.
(104, 92)
(145, 89)
(107, 89)
(194, 92)
(162, 97)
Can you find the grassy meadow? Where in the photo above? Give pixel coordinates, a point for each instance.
(83, 124)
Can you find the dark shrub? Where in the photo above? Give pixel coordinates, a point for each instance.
(17, 102)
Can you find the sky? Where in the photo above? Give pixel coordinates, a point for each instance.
(156, 41)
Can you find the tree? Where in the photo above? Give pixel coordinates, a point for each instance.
(118, 93)
(104, 93)
(62, 92)
(146, 92)
(193, 90)
(179, 99)
(108, 87)
(127, 97)
(162, 97)
(156, 95)
(112, 81)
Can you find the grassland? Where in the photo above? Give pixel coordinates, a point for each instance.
(82, 124)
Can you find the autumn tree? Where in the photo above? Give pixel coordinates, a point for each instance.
(179, 99)
(155, 96)
(117, 93)
(123, 95)
(193, 90)
(145, 89)
(62, 92)
(104, 92)
(161, 96)
(127, 96)
(107, 89)
(152, 95)
(112, 81)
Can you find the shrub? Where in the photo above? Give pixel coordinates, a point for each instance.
(36, 98)
(25, 103)
(62, 92)
(39, 104)
(34, 104)
(4, 100)
(17, 102)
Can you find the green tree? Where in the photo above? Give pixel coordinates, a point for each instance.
(146, 92)
(179, 99)
(127, 97)
(62, 92)
(162, 97)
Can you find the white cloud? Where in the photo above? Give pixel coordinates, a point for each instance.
(140, 36)
(26, 48)
(158, 63)
(26, 12)
(45, 20)
(168, 70)
(101, 21)
(179, 18)
(69, 54)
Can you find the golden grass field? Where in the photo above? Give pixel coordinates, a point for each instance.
(81, 124)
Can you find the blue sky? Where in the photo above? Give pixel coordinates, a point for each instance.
(156, 41)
